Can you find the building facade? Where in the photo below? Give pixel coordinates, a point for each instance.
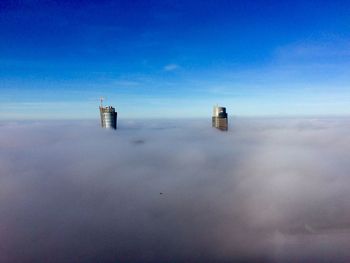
(219, 119)
(108, 117)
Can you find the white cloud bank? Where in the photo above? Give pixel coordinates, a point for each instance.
(269, 190)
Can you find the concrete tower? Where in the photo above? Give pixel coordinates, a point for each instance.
(108, 117)
(219, 119)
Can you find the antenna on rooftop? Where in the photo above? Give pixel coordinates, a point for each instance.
(101, 100)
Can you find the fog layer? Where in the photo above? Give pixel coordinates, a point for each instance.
(268, 190)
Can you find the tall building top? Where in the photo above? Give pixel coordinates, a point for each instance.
(108, 117)
(107, 109)
(219, 112)
(219, 119)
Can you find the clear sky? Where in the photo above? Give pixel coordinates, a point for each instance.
(174, 58)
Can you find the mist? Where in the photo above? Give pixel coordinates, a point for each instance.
(268, 190)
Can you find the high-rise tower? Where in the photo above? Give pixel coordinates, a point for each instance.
(108, 117)
(219, 119)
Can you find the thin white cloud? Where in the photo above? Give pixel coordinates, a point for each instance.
(127, 83)
(331, 51)
(171, 67)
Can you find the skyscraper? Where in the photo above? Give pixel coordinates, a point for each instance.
(219, 119)
(108, 117)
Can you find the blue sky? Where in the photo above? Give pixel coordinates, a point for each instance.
(174, 58)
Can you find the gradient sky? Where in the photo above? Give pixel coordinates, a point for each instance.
(173, 58)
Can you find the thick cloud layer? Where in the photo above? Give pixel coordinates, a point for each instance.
(268, 190)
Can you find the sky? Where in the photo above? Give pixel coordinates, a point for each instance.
(171, 59)
(267, 190)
